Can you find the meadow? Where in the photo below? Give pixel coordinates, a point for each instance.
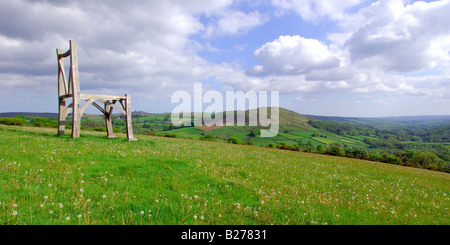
(46, 179)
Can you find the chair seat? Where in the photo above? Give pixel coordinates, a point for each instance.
(101, 97)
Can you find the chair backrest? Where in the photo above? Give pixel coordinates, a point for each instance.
(68, 87)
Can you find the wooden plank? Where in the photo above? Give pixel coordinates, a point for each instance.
(108, 115)
(75, 82)
(119, 109)
(61, 78)
(64, 55)
(101, 97)
(64, 79)
(99, 107)
(86, 105)
(67, 96)
(61, 117)
(128, 119)
(67, 110)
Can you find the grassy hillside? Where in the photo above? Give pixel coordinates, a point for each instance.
(46, 179)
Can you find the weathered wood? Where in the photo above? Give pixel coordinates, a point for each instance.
(61, 117)
(128, 118)
(99, 108)
(100, 97)
(61, 75)
(85, 106)
(64, 55)
(119, 109)
(67, 110)
(108, 115)
(69, 88)
(76, 118)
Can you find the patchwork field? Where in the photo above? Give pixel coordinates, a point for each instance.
(46, 179)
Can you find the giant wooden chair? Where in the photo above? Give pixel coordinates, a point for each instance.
(70, 90)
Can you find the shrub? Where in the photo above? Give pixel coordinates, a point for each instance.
(255, 132)
(171, 135)
(208, 138)
(425, 159)
(99, 129)
(44, 122)
(392, 160)
(337, 151)
(15, 121)
(235, 140)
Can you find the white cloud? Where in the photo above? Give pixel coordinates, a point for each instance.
(232, 22)
(401, 38)
(291, 55)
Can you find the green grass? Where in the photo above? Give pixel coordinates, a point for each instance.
(44, 179)
(184, 132)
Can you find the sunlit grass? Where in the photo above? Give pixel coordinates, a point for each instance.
(46, 179)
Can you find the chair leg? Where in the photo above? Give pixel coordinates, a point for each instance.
(109, 127)
(128, 119)
(76, 118)
(61, 117)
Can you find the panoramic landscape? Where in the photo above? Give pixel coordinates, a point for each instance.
(231, 114)
(372, 171)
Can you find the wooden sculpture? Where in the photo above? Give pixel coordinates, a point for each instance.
(70, 90)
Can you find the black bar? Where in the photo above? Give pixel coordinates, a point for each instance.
(257, 234)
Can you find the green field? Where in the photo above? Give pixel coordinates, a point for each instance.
(46, 179)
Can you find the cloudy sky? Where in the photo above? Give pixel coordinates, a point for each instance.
(340, 58)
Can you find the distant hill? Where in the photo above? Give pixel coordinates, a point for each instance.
(30, 114)
(382, 122)
(419, 119)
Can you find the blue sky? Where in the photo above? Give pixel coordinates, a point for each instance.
(339, 58)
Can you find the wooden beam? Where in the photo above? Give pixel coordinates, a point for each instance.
(64, 55)
(85, 106)
(64, 79)
(108, 117)
(101, 97)
(75, 82)
(61, 117)
(118, 108)
(67, 110)
(128, 119)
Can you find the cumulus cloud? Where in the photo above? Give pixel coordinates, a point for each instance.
(292, 55)
(402, 38)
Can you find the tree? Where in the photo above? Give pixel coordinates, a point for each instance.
(337, 151)
(320, 148)
(235, 140)
(426, 159)
(255, 132)
(208, 138)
